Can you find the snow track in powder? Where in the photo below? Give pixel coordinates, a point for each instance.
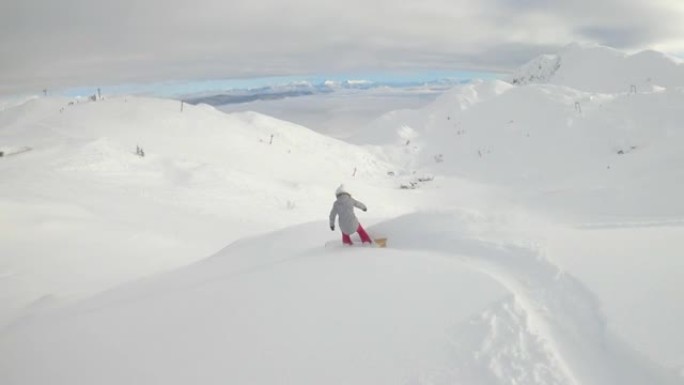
(554, 315)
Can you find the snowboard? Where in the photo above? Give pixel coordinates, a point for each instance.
(377, 242)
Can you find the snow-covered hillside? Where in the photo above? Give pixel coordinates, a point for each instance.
(76, 198)
(534, 237)
(604, 155)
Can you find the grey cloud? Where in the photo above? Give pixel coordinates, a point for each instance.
(618, 37)
(46, 43)
(617, 23)
(503, 57)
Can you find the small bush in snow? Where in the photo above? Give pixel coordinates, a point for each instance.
(578, 107)
(409, 186)
(270, 140)
(627, 151)
(415, 183)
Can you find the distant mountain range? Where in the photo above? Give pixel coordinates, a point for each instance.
(304, 88)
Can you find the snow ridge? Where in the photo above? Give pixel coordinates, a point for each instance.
(539, 70)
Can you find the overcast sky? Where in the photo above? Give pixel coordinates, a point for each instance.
(51, 43)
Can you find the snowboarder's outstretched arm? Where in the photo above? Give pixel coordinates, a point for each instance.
(333, 214)
(359, 205)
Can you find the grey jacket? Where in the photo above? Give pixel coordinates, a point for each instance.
(344, 207)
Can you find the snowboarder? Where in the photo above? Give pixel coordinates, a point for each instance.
(349, 224)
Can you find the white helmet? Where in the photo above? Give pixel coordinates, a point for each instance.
(341, 190)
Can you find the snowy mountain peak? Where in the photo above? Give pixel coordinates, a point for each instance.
(539, 70)
(595, 68)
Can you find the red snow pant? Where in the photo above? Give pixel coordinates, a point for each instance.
(346, 239)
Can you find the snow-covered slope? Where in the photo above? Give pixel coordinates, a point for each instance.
(534, 237)
(603, 69)
(583, 151)
(279, 308)
(76, 198)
